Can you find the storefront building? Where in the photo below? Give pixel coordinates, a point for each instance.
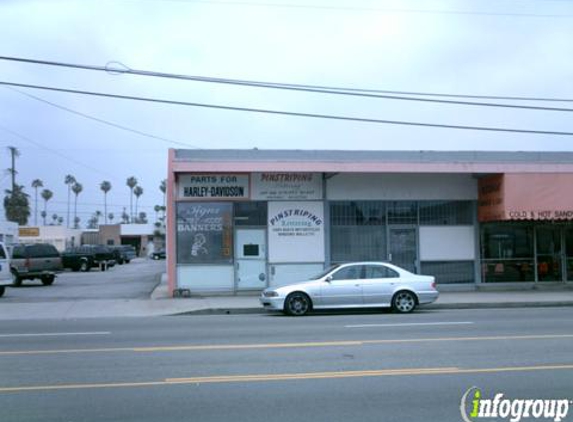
(242, 220)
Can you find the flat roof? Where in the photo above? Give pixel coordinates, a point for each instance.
(255, 160)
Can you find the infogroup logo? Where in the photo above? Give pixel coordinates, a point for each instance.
(474, 407)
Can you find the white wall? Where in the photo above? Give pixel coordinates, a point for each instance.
(206, 278)
(281, 274)
(402, 187)
(447, 243)
(136, 229)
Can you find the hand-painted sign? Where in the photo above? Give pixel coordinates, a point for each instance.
(287, 186)
(213, 186)
(296, 232)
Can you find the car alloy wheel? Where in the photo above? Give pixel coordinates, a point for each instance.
(297, 304)
(404, 302)
(84, 267)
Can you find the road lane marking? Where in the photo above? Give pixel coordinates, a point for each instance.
(211, 347)
(92, 333)
(220, 379)
(409, 324)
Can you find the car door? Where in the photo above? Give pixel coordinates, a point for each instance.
(378, 284)
(342, 287)
(4, 264)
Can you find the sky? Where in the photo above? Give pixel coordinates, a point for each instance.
(505, 48)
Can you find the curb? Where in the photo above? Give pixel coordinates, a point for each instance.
(497, 305)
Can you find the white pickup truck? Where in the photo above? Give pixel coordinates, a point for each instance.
(5, 275)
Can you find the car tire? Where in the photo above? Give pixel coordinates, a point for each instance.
(156, 257)
(2, 290)
(120, 261)
(16, 280)
(404, 302)
(84, 266)
(48, 280)
(297, 304)
(127, 261)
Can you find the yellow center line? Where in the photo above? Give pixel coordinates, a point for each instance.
(211, 347)
(287, 377)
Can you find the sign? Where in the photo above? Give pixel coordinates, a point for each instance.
(29, 231)
(204, 233)
(287, 186)
(296, 232)
(213, 186)
(490, 198)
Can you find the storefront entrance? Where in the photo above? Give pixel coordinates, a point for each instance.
(554, 253)
(403, 242)
(250, 259)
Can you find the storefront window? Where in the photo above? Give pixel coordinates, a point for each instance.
(441, 213)
(569, 252)
(403, 212)
(358, 231)
(253, 213)
(204, 233)
(507, 253)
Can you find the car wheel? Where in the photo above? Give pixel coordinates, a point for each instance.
(127, 261)
(2, 290)
(297, 304)
(84, 266)
(120, 261)
(16, 280)
(156, 257)
(48, 280)
(404, 302)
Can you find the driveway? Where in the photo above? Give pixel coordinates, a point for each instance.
(135, 280)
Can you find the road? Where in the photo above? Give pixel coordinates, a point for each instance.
(129, 281)
(337, 367)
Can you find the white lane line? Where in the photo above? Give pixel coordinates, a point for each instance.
(93, 333)
(410, 324)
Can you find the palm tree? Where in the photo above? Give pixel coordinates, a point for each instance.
(110, 216)
(76, 222)
(98, 215)
(69, 181)
(163, 189)
(131, 183)
(16, 205)
(157, 208)
(105, 186)
(54, 219)
(138, 191)
(76, 189)
(47, 194)
(44, 214)
(37, 183)
(60, 220)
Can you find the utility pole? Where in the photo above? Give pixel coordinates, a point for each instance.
(14, 152)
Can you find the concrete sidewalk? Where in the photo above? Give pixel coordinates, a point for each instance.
(159, 304)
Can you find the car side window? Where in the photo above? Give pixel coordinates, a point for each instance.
(352, 272)
(380, 271)
(19, 252)
(2, 253)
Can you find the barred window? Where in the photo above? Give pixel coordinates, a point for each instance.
(439, 213)
(450, 272)
(403, 212)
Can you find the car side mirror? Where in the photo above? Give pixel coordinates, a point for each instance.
(328, 279)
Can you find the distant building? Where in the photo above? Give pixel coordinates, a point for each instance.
(59, 236)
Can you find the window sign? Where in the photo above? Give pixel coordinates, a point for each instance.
(296, 232)
(287, 186)
(204, 233)
(213, 186)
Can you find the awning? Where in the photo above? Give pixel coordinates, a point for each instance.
(534, 196)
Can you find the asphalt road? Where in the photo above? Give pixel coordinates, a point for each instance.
(348, 367)
(128, 281)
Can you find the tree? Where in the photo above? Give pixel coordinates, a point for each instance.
(92, 222)
(54, 219)
(47, 194)
(110, 216)
(131, 183)
(37, 183)
(138, 191)
(142, 218)
(163, 189)
(124, 217)
(44, 214)
(157, 208)
(97, 215)
(77, 222)
(105, 186)
(60, 220)
(14, 152)
(69, 181)
(77, 188)
(16, 205)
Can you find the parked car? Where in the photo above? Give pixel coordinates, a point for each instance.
(158, 254)
(124, 253)
(39, 260)
(5, 275)
(354, 285)
(86, 257)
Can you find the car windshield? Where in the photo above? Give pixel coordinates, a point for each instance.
(324, 272)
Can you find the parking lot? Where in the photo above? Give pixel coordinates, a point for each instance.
(135, 280)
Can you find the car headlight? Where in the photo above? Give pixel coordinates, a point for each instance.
(271, 293)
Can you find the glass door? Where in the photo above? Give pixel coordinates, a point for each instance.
(549, 254)
(403, 247)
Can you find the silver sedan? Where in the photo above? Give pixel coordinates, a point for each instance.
(354, 285)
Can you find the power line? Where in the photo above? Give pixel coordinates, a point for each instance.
(97, 119)
(289, 113)
(318, 89)
(53, 151)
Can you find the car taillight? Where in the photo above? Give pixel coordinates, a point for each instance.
(433, 285)
(27, 263)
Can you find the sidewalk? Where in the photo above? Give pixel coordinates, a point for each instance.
(159, 304)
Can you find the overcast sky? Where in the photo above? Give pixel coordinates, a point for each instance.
(485, 47)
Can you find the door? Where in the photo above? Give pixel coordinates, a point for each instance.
(250, 259)
(549, 251)
(378, 284)
(4, 264)
(344, 287)
(403, 247)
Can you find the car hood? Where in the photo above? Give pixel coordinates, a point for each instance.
(297, 286)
